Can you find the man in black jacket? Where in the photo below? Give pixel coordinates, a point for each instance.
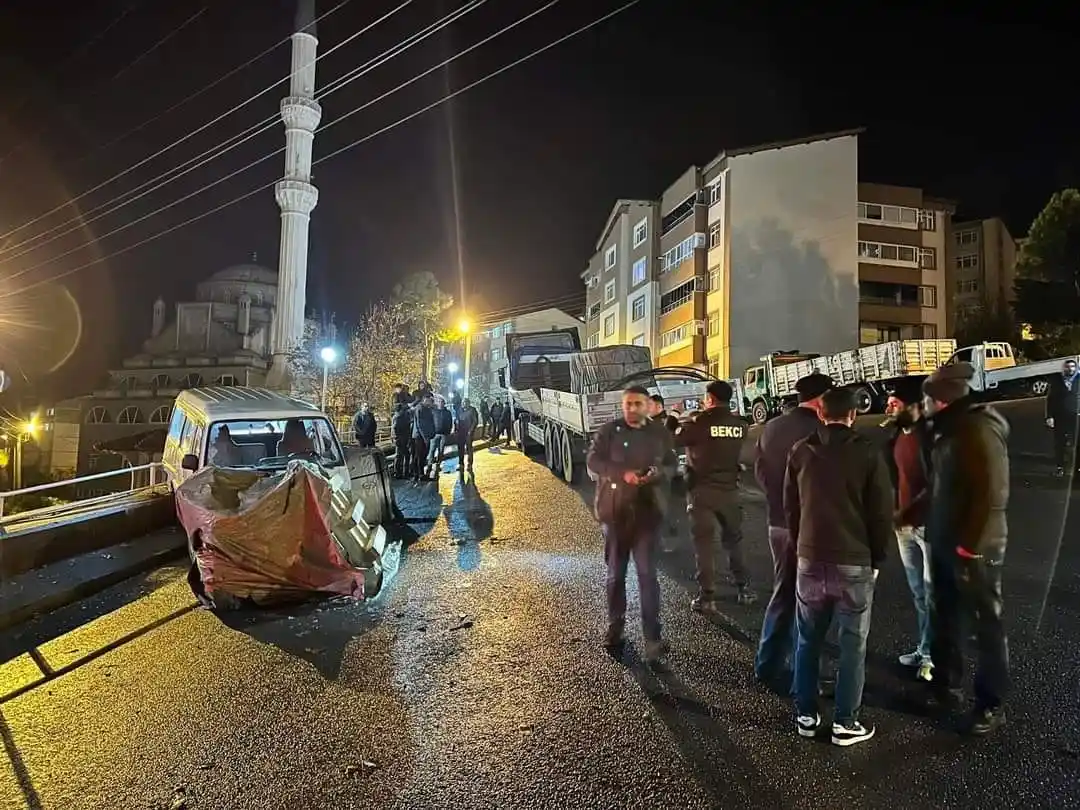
(967, 533)
(713, 442)
(402, 428)
(1062, 406)
(839, 505)
(365, 427)
(631, 458)
(770, 466)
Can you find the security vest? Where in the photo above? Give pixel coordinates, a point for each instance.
(713, 440)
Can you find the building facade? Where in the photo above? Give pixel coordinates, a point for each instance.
(772, 247)
(981, 267)
(223, 337)
(488, 351)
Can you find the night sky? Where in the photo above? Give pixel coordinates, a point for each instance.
(978, 112)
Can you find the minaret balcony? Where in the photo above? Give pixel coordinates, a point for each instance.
(296, 196)
(302, 113)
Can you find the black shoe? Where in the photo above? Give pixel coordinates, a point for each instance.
(613, 637)
(985, 721)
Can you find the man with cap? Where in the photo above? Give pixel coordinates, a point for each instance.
(777, 645)
(907, 456)
(967, 534)
(713, 440)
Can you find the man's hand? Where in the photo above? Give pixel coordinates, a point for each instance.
(963, 553)
(631, 477)
(1050, 422)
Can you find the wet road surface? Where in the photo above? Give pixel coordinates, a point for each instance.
(476, 680)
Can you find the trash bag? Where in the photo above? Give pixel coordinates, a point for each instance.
(277, 539)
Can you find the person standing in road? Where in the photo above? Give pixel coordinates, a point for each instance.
(839, 505)
(423, 433)
(444, 426)
(713, 441)
(464, 432)
(777, 645)
(365, 427)
(485, 416)
(1062, 407)
(907, 454)
(674, 496)
(967, 534)
(630, 459)
(402, 427)
(496, 420)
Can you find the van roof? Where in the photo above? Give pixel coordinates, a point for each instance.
(221, 402)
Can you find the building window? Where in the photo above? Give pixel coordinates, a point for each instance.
(609, 292)
(191, 381)
(609, 326)
(98, 416)
(682, 294)
(129, 416)
(883, 252)
(161, 415)
(967, 286)
(715, 235)
(714, 323)
(496, 355)
(928, 220)
(714, 280)
(609, 258)
(714, 367)
(639, 340)
(641, 232)
(927, 258)
(161, 381)
(894, 215)
(594, 340)
(640, 268)
(970, 237)
(927, 296)
(929, 331)
(594, 311)
(715, 192)
(681, 252)
(681, 333)
(967, 262)
(227, 380)
(679, 213)
(637, 309)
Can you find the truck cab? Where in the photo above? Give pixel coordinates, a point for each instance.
(759, 385)
(989, 356)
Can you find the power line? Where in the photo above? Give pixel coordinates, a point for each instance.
(164, 179)
(205, 88)
(94, 92)
(442, 23)
(191, 134)
(333, 154)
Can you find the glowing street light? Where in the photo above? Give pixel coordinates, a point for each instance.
(452, 368)
(464, 326)
(329, 356)
(460, 383)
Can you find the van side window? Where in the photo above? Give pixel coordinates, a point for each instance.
(187, 438)
(176, 425)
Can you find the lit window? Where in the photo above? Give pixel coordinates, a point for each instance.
(640, 267)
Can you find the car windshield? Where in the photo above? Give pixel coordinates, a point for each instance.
(273, 443)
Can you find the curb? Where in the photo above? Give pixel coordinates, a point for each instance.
(63, 596)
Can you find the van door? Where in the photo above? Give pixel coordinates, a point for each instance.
(191, 441)
(171, 456)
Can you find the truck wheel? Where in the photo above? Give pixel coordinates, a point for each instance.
(759, 412)
(551, 454)
(569, 469)
(1039, 387)
(864, 400)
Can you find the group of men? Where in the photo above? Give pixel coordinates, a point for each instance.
(836, 504)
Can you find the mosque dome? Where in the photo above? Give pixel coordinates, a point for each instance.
(246, 273)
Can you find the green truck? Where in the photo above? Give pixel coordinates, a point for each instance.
(872, 372)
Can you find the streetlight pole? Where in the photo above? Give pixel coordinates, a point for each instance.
(464, 327)
(328, 355)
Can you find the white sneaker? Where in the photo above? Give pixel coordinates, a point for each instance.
(850, 734)
(911, 659)
(808, 726)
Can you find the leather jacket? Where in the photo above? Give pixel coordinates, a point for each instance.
(970, 481)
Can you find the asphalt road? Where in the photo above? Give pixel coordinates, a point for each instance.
(476, 680)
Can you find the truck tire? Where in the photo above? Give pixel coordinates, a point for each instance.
(551, 452)
(569, 468)
(759, 412)
(864, 399)
(1040, 387)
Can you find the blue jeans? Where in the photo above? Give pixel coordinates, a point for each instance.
(778, 631)
(825, 590)
(639, 542)
(916, 559)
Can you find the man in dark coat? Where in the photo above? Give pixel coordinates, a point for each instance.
(967, 534)
(365, 427)
(465, 426)
(1062, 407)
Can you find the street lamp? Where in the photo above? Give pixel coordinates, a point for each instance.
(452, 368)
(329, 356)
(460, 383)
(465, 327)
(27, 430)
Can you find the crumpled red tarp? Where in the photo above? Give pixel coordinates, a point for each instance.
(265, 539)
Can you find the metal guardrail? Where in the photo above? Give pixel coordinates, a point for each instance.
(142, 479)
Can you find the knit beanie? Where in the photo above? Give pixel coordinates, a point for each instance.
(949, 383)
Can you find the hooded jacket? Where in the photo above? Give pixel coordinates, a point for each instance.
(838, 499)
(969, 490)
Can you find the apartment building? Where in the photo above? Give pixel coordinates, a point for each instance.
(488, 354)
(772, 247)
(903, 250)
(621, 278)
(981, 267)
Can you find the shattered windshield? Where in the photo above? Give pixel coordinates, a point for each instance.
(272, 443)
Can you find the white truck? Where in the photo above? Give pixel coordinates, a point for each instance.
(999, 374)
(871, 372)
(561, 394)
